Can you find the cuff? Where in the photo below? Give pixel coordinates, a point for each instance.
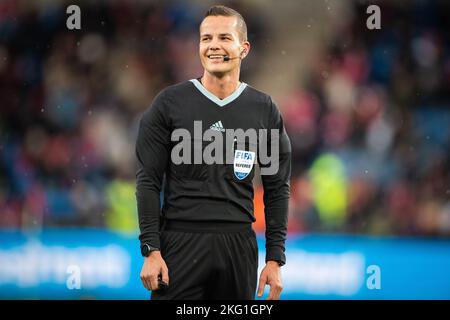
(276, 254)
(152, 239)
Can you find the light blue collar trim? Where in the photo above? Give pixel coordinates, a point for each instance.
(213, 98)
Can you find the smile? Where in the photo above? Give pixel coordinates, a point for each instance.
(215, 56)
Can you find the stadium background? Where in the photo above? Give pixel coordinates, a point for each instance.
(367, 112)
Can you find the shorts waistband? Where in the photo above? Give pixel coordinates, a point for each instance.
(206, 226)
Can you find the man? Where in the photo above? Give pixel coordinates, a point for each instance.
(203, 245)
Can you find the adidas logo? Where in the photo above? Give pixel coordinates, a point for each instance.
(217, 126)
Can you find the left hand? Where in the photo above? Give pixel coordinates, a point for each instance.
(271, 275)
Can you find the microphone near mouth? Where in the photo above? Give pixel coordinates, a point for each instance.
(228, 58)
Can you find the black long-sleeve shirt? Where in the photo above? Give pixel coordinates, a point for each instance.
(202, 192)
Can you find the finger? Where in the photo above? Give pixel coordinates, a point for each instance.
(154, 282)
(148, 283)
(165, 275)
(145, 282)
(262, 283)
(278, 292)
(271, 293)
(274, 293)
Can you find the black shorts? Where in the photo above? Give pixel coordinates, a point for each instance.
(209, 260)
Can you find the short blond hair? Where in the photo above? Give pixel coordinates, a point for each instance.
(228, 12)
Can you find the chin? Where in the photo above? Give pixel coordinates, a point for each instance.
(218, 73)
(218, 70)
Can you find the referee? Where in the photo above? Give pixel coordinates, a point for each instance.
(201, 245)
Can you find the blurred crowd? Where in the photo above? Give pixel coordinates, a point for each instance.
(370, 126)
(369, 123)
(71, 101)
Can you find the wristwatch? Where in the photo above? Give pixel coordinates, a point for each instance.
(146, 249)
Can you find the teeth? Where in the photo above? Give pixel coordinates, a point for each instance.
(215, 56)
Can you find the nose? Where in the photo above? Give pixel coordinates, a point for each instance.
(213, 48)
(213, 45)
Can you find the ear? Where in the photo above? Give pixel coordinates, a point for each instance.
(245, 50)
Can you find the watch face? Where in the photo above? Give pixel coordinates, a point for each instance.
(145, 250)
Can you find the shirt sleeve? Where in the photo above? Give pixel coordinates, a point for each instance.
(152, 152)
(277, 192)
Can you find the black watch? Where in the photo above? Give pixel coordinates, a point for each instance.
(146, 249)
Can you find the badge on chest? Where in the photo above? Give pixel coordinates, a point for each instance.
(243, 163)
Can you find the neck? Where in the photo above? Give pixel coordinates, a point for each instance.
(221, 87)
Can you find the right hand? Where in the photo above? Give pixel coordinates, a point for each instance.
(154, 266)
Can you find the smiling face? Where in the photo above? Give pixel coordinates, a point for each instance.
(219, 37)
